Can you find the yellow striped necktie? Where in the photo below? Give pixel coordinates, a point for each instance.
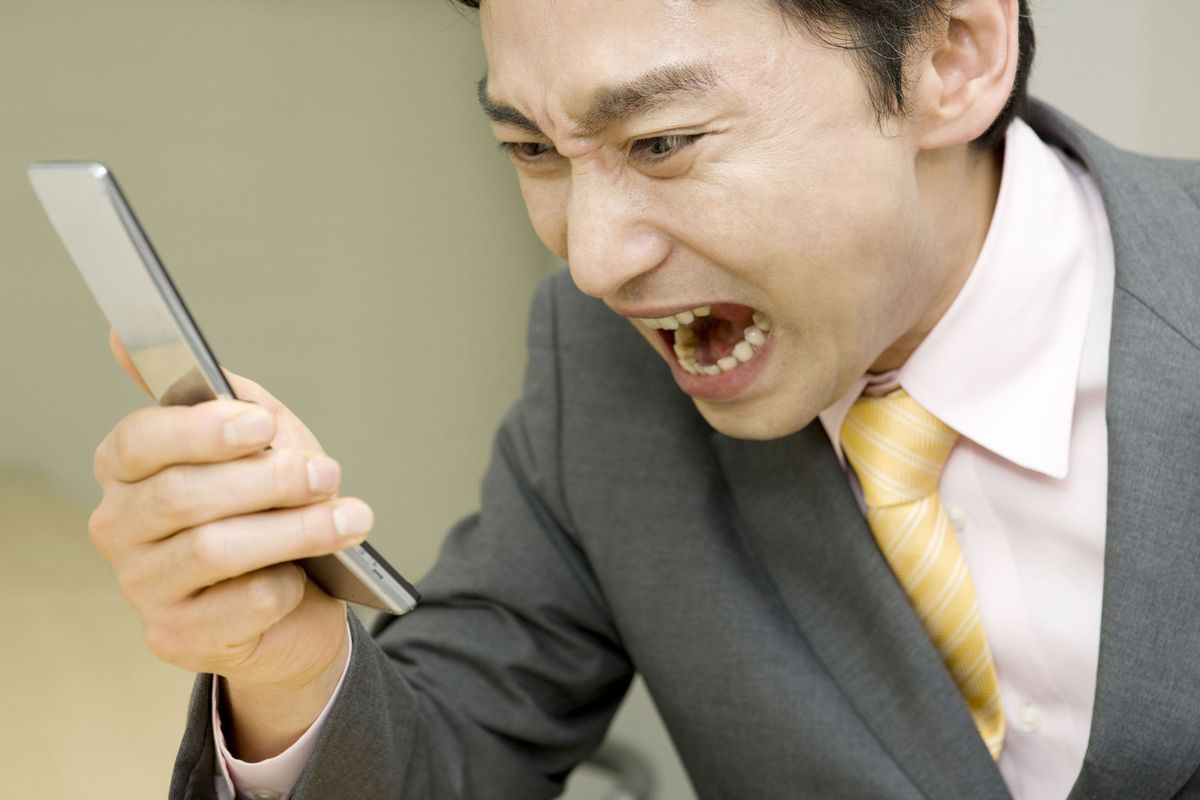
(898, 450)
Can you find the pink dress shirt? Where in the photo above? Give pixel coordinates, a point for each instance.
(1018, 365)
(274, 778)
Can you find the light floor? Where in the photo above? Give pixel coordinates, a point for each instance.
(85, 710)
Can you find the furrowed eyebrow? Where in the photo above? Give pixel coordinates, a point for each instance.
(613, 103)
(650, 91)
(504, 113)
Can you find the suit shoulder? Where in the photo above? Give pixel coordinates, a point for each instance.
(602, 360)
(610, 385)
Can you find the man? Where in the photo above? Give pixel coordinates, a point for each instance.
(919, 524)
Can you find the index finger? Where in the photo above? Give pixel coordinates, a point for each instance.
(151, 439)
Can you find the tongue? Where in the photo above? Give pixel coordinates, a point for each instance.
(721, 331)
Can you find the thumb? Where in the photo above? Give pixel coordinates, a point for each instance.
(289, 430)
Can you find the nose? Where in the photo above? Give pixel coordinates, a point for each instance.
(610, 238)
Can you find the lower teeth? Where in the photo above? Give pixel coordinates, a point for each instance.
(753, 338)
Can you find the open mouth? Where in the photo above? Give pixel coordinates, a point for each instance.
(710, 340)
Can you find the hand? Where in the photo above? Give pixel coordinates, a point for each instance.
(200, 523)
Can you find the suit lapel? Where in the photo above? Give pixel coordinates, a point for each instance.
(1145, 736)
(804, 526)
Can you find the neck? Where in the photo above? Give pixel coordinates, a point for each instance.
(960, 189)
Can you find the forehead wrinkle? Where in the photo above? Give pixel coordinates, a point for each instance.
(609, 104)
(645, 93)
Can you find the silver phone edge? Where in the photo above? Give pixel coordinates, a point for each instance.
(183, 319)
(389, 590)
(392, 595)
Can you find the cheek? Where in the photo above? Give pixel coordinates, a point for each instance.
(546, 202)
(835, 224)
(821, 237)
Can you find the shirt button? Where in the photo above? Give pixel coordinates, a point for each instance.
(1029, 718)
(264, 794)
(957, 518)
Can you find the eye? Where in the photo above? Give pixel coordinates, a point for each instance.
(660, 148)
(528, 152)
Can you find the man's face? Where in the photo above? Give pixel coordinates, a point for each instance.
(685, 156)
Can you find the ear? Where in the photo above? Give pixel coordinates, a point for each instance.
(966, 72)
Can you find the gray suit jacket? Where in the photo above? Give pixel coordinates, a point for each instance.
(619, 532)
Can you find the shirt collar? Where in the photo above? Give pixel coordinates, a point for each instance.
(1001, 366)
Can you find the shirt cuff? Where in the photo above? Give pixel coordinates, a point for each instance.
(274, 778)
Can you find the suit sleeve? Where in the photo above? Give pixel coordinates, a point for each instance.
(508, 673)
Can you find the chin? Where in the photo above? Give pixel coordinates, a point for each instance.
(759, 419)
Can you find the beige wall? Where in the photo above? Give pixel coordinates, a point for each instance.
(321, 183)
(318, 178)
(1127, 69)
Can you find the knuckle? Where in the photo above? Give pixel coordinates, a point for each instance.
(98, 527)
(211, 549)
(172, 496)
(289, 475)
(289, 589)
(160, 640)
(104, 527)
(297, 581)
(315, 532)
(134, 583)
(125, 445)
(263, 596)
(100, 466)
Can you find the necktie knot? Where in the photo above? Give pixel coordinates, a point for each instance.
(896, 447)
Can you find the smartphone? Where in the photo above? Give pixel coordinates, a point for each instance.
(124, 274)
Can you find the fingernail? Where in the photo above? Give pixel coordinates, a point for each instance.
(251, 427)
(353, 519)
(323, 474)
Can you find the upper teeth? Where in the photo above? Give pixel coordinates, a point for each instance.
(675, 320)
(753, 337)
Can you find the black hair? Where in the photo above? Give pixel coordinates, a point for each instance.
(884, 35)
